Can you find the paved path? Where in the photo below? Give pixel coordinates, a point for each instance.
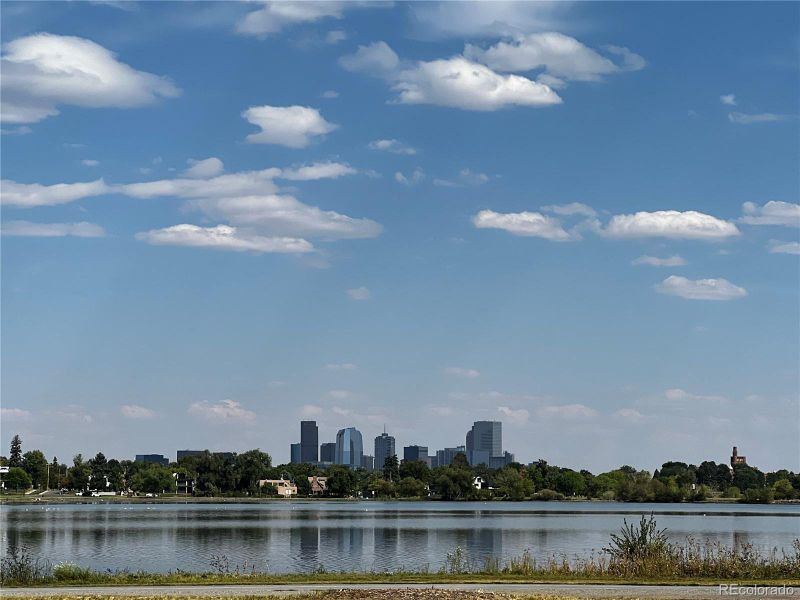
(688, 592)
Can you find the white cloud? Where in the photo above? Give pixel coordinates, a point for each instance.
(629, 414)
(679, 395)
(773, 212)
(359, 293)
(750, 119)
(460, 83)
(226, 411)
(374, 59)
(524, 224)
(342, 412)
(14, 414)
(417, 176)
(689, 225)
(573, 208)
(204, 169)
(776, 247)
(90, 162)
(28, 195)
(728, 99)
(700, 289)
(222, 237)
(393, 146)
(310, 410)
(315, 171)
(290, 126)
(462, 372)
(272, 17)
(340, 394)
(518, 415)
(567, 411)
(330, 94)
(43, 71)
(134, 411)
(560, 57)
(465, 178)
(284, 215)
(21, 130)
(340, 367)
(28, 229)
(655, 261)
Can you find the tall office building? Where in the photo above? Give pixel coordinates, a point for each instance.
(384, 448)
(295, 454)
(349, 448)
(309, 442)
(416, 453)
(484, 442)
(327, 452)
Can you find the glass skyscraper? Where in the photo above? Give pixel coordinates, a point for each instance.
(384, 448)
(309, 442)
(349, 448)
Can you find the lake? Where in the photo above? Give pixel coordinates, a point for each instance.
(298, 536)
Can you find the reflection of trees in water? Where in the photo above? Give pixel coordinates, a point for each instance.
(385, 541)
(304, 545)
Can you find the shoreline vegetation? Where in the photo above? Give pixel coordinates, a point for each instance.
(639, 553)
(251, 476)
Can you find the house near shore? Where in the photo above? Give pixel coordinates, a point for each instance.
(284, 487)
(319, 485)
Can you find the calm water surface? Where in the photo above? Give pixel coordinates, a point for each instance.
(299, 537)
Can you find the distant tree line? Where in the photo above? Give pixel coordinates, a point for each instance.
(216, 474)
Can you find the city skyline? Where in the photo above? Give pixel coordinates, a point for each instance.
(219, 220)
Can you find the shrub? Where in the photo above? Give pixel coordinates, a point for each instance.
(548, 495)
(18, 567)
(70, 572)
(732, 492)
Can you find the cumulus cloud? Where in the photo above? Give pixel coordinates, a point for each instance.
(90, 162)
(773, 212)
(700, 289)
(567, 411)
(573, 208)
(226, 411)
(460, 83)
(204, 169)
(464, 178)
(376, 59)
(413, 178)
(655, 261)
(29, 195)
(776, 247)
(524, 224)
(134, 411)
(462, 372)
(688, 225)
(560, 57)
(44, 71)
(290, 126)
(335, 36)
(485, 19)
(393, 146)
(517, 416)
(359, 293)
(679, 395)
(315, 171)
(222, 237)
(728, 99)
(753, 118)
(28, 229)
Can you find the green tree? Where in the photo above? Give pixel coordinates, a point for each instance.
(17, 479)
(513, 484)
(252, 466)
(417, 469)
(79, 473)
(54, 475)
(460, 461)
(391, 468)
(715, 475)
(453, 483)
(410, 487)
(783, 489)
(35, 465)
(98, 468)
(15, 456)
(342, 482)
(153, 479)
(570, 483)
(746, 477)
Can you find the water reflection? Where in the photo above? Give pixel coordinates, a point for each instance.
(290, 537)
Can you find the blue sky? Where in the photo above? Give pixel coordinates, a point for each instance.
(579, 219)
